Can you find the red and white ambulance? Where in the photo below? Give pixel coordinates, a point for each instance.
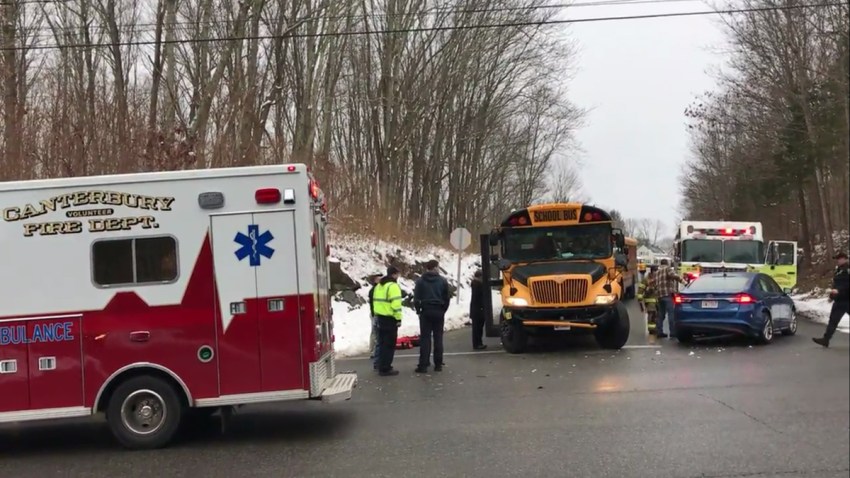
(152, 296)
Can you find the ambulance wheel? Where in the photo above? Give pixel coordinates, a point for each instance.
(514, 337)
(615, 333)
(144, 413)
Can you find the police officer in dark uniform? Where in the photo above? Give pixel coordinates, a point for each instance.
(840, 297)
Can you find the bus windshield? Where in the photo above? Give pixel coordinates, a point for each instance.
(702, 250)
(591, 241)
(746, 252)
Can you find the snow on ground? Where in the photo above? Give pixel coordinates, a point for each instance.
(360, 256)
(816, 306)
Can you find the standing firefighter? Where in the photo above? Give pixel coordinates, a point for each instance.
(648, 302)
(386, 302)
(840, 297)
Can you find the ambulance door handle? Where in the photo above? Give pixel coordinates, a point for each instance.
(140, 336)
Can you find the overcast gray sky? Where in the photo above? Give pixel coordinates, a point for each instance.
(638, 76)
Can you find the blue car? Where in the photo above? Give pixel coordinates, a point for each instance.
(747, 304)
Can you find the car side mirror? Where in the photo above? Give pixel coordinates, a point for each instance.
(787, 291)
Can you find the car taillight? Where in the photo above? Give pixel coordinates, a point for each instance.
(677, 299)
(743, 299)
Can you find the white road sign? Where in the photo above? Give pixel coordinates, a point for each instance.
(460, 239)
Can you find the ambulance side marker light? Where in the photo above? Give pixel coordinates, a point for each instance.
(267, 196)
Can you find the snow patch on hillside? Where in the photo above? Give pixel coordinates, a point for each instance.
(360, 257)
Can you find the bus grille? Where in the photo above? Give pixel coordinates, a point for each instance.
(551, 292)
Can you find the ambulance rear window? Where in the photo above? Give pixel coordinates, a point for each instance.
(134, 261)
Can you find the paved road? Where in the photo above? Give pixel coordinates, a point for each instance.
(651, 410)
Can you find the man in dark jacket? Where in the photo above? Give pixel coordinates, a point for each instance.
(431, 299)
(840, 297)
(476, 310)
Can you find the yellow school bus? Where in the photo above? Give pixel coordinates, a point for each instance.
(630, 274)
(558, 267)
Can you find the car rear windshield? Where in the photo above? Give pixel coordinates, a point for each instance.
(718, 284)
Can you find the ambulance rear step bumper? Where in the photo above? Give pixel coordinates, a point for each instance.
(339, 388)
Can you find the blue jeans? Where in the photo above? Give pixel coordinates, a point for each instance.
(665, 310)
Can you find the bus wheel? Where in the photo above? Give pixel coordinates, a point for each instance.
(615, 333)
(514, 337)
(144, 413)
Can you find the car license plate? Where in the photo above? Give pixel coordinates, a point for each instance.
(709, 304)
(562, 327)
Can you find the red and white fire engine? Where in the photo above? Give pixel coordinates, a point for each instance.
(152, 296)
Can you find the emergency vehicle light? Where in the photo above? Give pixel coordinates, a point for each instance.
(290, 168)
(211, 200)
(267, 196)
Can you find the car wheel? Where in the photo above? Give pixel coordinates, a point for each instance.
(766, 334)
(792, 324)
(684, 336)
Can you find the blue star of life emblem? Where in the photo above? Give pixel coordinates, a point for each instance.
(254, 245)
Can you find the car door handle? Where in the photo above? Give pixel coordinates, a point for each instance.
(140, 336)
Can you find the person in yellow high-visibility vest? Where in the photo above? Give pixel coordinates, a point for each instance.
(386, 303)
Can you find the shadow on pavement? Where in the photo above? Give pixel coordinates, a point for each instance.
(251, 424)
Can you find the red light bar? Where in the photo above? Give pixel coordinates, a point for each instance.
(267, 196)
(314, 189)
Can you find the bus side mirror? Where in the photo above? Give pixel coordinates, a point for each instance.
(503, 264)
(619, 241)
(620, 261)
(494, 239)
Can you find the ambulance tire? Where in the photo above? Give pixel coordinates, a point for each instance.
(139, 404)
(514, 337)
(615, 333)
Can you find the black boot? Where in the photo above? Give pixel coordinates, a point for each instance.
(821, 341)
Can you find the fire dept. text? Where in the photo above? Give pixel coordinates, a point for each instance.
(92, 225)
(87, 198)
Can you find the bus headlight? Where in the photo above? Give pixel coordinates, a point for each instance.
(517, 301)
(605, 299)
